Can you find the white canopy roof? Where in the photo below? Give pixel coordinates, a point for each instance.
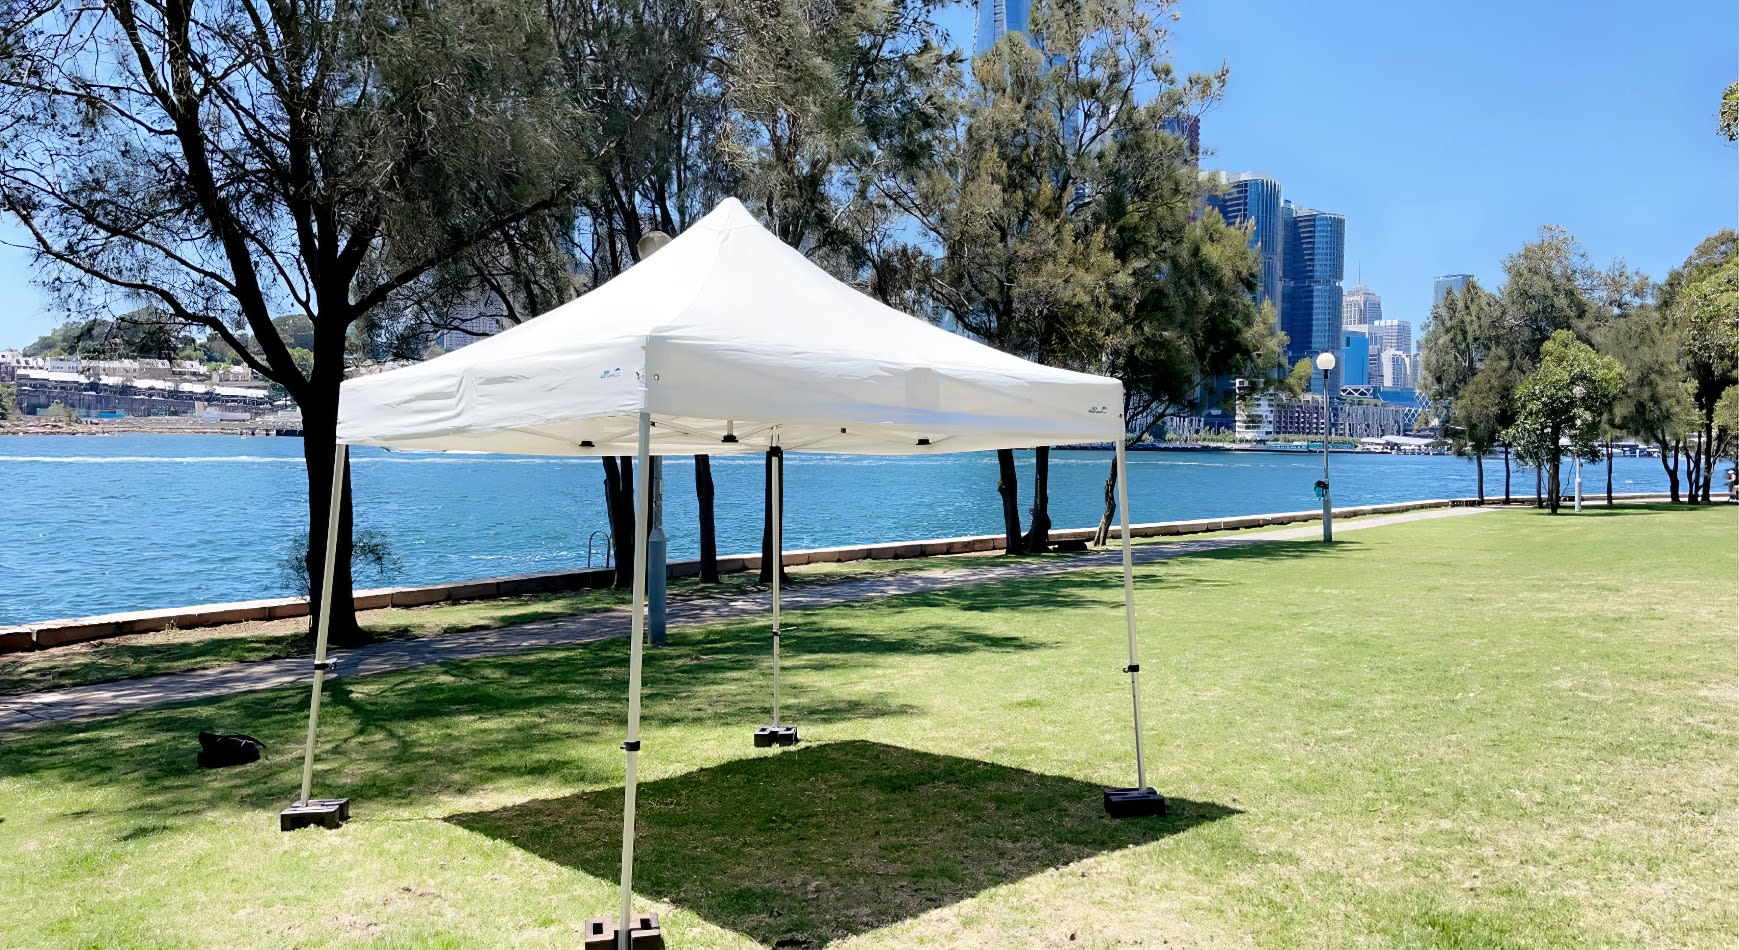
(727, 329)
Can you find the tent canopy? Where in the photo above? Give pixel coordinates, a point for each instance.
(727, 330)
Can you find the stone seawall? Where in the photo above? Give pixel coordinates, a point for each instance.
(53, 633)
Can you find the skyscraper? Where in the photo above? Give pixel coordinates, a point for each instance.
(1359, 305)
(1315, 259)
(1254, 200)
(1445, 284)
(1189, 128)
(1391, 335)
(998, 18)
(1355, 357)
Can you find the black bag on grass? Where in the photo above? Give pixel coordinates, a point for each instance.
(217, 751)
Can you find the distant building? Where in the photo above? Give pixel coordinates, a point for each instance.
(1189, 128)
(998, 18)
(1397, 369)
(1315, 261)
(1359, 305)
(466, 325)
(1355, 357)
(1391, 335)
(1253, 201)
(1446, 283)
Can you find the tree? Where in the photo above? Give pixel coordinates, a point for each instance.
(225, 160)
(1655, 402)
(1468, 376)
(1058, 205)
(9, 403)
(1560, 403)
(1708, 334)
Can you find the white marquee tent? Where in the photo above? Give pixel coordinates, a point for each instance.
(726, 341)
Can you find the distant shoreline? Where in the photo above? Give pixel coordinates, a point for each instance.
(158, 426)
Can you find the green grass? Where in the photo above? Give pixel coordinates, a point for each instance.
(1502, 730)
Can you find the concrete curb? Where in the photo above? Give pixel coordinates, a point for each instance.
(53, 633)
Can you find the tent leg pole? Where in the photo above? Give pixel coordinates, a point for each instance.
(778, 569)
(1129, 611)
(1140, 800)
(630, 785)
(323, 627)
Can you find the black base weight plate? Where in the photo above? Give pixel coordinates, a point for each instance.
(775, 735)
(1133, 802)
(601, 933)
(325, 812)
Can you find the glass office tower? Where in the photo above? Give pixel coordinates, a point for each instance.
(998, 18)
(1255, 199)
(1315, 262)
(1445, 284)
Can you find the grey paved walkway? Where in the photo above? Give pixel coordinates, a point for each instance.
(109, 699)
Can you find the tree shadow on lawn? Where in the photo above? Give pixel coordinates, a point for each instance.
(413, 735)
(813, 844)
(416, 735)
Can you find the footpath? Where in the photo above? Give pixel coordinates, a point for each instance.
(125, 696)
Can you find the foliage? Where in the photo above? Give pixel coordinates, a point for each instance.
(9, 403)
(1467, 372)
(371, 551)
(1562, 400)
(1545, 290)
(1729, 121)
(353, 162)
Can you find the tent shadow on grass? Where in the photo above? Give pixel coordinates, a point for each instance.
(821, 842)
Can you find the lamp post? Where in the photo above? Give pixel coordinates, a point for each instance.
(1576, 446)
(1325, 362)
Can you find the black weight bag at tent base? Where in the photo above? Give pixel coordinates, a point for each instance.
(218, 751)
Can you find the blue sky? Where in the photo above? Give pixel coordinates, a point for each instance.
(1445, 134)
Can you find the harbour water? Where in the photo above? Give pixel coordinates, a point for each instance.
(92, 524)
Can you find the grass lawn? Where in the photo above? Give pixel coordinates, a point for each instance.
(1500, 730)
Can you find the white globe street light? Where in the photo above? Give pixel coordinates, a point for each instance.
(1325, 362)
(1576, 446)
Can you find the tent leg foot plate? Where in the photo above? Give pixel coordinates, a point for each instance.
(775, 735)
(1133, 802)
(325, 812)
(601, 933)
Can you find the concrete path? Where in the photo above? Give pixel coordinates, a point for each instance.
(124, 696)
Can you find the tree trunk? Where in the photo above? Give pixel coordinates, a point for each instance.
(1103, 535)
(1708, 457)
(1506, 474)
(319, 446)
(1693, 457)
(1039, 535)
(1554, 484)
(619, 505)
(1479, 470)
(1670, 450)
(1609, 473)
(775, 456)
(703, 496)
(1539, 498)
(1008, 485)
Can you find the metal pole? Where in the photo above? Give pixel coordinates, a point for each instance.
(657, 557)
(1327, 488)
(1578, 481)
(636, 650)
(325, 624)
(778, 565)
(1134, 668)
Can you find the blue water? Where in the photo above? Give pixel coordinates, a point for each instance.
(91, 524)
